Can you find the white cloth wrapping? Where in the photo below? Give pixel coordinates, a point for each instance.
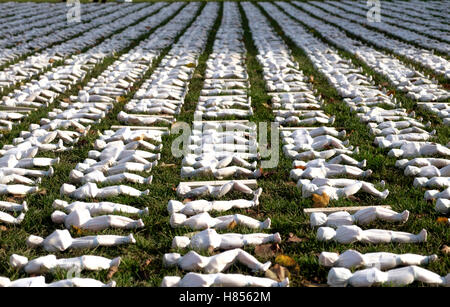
(341, 277)
(221, 280)
(192, 261)
(381, 260)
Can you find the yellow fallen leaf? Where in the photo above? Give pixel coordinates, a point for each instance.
(232, 225)
(77, 230)
(442, 220)
(120, 99)
(285, 261)
(320, 201)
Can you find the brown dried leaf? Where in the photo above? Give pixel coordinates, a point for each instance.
(167, 165)
(51, 61)
(445, 249)
(354, 198)
(320, 201)
(186, 200)
(112, 271)
(267, 250)
(278, 273)
(3, 228)
(147, 262)
(294, 239)
(306, 283)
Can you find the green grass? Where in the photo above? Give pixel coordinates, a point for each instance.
(281, 200)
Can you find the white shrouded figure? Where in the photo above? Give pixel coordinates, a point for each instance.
(219, 173)
(102, 207)
(381, 260)
(201, 205)
(341, 277)
(436, 194)
(192, 261)
(61, 240)
(348, 234)
(328, 171)
(434, 182)
(9, 219)
(214, 191)
(420, 162)
(204, 220)
(361, 217)
(415, 149)
(98, 177)
(90, 190)
(82, 219)
(209, 238)
(338, 188)
(221, 280)
(50, 263)
(339, 159)
(442, 206)
(17, 189)
(427, 171)
(14, 207)
(39, 281)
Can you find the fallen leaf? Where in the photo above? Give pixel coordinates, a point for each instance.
(66, 100)
(445, 249)
(309, 284)
(442, 220)
(267, 250)
(147, 262)
(190, 65)
(285, 261)
(77, 230)
(120, 99)
(311, 79)
(354, 198)
(167, 165)
(3, 228)
(51, 61)
(300, 167)
(294, 239)
(232, 225)
(112, 270)
(186, 200)
(320, 201)
(277, 272)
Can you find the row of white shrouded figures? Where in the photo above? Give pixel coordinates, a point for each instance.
(221, 149)
(406, 79)
(404, 135)
(34, 36)
(421, 56)
(309, 147)
(402, 33)
(50, 86)
(86, 35)
(437, 29)
(117, 155)
(66, 125)
(346, 233)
